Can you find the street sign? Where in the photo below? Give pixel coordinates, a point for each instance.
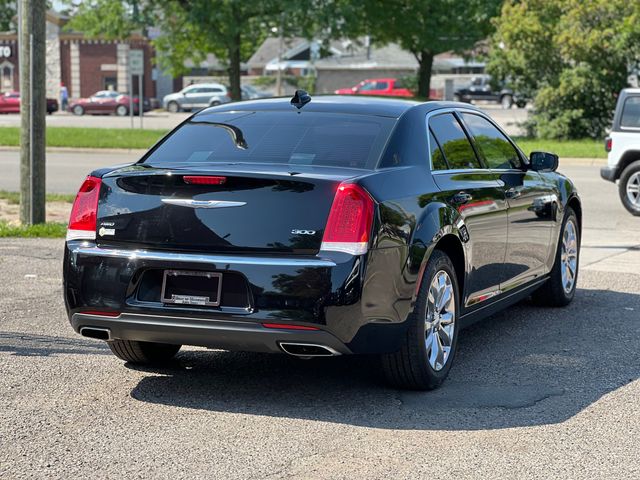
(136, 62)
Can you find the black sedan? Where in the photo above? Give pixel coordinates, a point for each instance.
(328, 227)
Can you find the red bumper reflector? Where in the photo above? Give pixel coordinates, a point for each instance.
(102, 314)
(204, 180)
(284, 326)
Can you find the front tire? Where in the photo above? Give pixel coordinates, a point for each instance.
(143, 353)
(560, 288)
(506, 102)
(629, 188)
(122, 111)
(425, 358)
(78, 110)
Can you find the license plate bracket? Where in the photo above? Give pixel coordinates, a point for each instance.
(187, 287)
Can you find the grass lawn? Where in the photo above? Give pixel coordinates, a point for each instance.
(13, 198)
(42, 230)
(73, 137)
(586, 148)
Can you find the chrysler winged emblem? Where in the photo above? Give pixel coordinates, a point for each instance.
(187, 202)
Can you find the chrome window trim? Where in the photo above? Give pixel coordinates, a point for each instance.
(95, 251)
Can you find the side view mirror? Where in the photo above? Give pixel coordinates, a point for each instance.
(543, 161)
(354, 89)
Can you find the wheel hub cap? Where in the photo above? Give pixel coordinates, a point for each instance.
(440, 320)
(569, 256)
(633, 189)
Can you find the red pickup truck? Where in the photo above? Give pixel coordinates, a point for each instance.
(391, 87)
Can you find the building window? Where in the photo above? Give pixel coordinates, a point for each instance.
(6, 77)
(110, 83)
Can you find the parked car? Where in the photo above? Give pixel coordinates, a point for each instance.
(196, 96)
(623, 145)
(389, 87)
(249, 92)
(10, 103)
(337, 227)
(481, 89)
(106, 102)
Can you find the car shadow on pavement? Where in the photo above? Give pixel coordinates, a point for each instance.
(32, 345)
(525, 366)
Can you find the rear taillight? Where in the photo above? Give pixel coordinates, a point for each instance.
(349, 224)
(608, 144)
(82, 224)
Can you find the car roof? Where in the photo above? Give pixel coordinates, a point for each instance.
(359, 105)
(216, 85)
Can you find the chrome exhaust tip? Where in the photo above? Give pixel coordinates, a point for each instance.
(307, 350)
(96, 332)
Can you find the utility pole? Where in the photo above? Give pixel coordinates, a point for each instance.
(280, 52)
(32, 25)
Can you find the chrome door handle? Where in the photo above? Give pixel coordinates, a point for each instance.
(461, 198)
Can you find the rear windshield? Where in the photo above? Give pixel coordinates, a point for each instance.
(296, 138)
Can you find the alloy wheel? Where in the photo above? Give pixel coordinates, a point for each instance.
(569, 256)
(633, 189)
(440, 320)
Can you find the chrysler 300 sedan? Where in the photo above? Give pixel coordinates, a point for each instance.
(319, 227)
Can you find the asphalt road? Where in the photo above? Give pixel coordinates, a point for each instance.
(534, 393)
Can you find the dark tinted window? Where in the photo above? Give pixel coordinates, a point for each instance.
(306, 138)
(631, 113)
(437, 158)
(455, 145)
(496, 151)
(382, 85)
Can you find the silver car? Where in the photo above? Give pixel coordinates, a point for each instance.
(196, 96)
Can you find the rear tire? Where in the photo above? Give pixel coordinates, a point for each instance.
(173, 107)
(555, 292)
(629, 188)
(78, 110)
(428, 349)
(143, 353)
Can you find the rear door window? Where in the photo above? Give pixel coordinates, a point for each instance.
(631, 113)
(455, 144)
(494, 148)
(308, 138)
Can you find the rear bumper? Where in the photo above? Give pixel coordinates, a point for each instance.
(325, 292)
(609, 173)
(212, 333)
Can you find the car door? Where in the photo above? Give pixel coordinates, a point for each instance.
(531, 202)
(477, 195)
(191, 98)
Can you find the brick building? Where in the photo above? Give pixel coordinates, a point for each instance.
(83, 65)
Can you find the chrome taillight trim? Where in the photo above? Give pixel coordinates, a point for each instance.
(81, 235)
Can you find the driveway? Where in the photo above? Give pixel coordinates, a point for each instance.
(535, 392)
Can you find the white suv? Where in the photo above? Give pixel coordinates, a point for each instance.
(623, 145)
(195, 97)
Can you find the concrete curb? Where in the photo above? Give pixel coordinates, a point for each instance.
(128, 151)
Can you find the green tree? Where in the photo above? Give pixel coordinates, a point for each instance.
(7, 12)
(427, 29)
(191, 29)
(571, 57)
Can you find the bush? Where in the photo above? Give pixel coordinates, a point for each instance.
(581, 105)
